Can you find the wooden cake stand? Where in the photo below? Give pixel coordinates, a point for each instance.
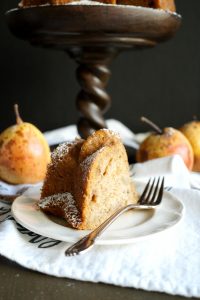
(92, 35)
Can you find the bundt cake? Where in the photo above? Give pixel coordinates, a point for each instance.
(88, 180)
(162, 4)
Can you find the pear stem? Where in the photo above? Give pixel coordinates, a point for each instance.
(152, 125)
(18, 118)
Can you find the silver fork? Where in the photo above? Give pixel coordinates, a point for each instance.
(150, 199)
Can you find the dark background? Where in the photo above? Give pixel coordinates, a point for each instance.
(162, 83)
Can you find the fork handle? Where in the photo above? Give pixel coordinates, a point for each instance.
(88, 241)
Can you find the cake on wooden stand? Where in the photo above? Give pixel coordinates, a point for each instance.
(93, 33)
(88, 180)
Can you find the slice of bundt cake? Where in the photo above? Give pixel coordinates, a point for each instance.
(88, 180)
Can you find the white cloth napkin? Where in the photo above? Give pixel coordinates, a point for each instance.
(168, 262)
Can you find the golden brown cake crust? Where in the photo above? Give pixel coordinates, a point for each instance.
(61, 2)
(162, 4)
(144, 3)
(165, 4)
(27, 3)
(96, 141)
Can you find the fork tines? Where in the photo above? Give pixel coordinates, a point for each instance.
(153, 192)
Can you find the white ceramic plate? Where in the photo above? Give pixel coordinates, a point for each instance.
(128, 228)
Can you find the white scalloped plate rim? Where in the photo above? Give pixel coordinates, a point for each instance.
(131, 227)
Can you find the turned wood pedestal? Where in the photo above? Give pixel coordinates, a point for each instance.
(92, 35)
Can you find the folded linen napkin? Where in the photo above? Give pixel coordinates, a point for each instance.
(168, 262)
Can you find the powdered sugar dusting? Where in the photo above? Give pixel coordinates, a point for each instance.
(64, 202)
(61, 151)
(111, 132)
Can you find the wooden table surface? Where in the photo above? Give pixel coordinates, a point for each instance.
(17, 282)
